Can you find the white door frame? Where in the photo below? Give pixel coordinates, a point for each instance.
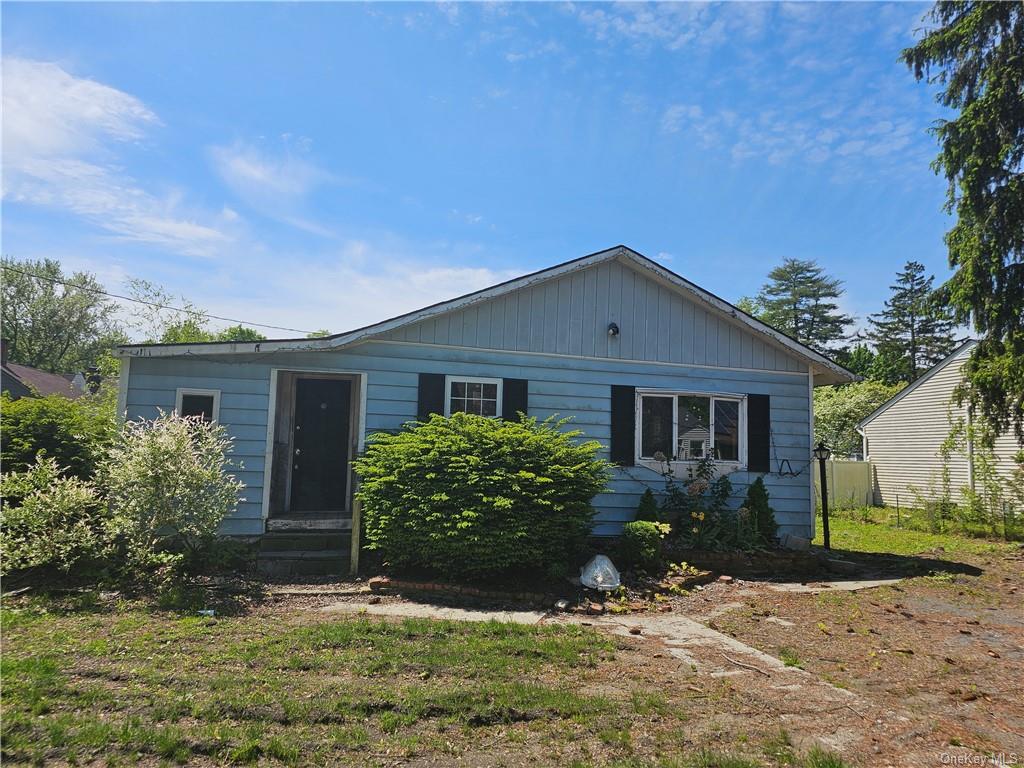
(360, 379)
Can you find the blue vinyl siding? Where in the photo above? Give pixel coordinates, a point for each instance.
(558, 386)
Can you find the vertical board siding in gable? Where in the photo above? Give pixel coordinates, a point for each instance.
(580, 391)
(569, 315)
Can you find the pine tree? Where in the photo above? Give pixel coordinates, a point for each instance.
(798, 300)
(912, 333)
(973, 52)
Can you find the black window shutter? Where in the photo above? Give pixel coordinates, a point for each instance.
(430, 397)
(759, 433)
(514, 398)
(623, 425)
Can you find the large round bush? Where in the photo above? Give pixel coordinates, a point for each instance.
(472, 497)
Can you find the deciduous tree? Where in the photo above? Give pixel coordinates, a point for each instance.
(59, 323)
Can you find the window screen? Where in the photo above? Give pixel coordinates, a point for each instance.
(197, 405)
(727, 430)
(656, 426)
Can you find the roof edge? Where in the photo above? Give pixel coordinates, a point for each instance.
(927, 375)
(814, 358)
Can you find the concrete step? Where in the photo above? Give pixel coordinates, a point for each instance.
(320, 562)
(309, 523)
(304, 541)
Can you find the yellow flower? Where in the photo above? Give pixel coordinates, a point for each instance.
(696, 529)
(701, 515)
(693, 515)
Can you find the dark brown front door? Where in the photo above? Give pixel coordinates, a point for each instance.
(320, 445)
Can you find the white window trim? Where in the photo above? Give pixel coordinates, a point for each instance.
(448, 380)
(214, 393)
(740, 463)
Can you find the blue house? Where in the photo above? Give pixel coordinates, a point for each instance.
(641, 359)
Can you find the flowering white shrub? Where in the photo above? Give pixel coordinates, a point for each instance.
(168, 487)
(48, 520)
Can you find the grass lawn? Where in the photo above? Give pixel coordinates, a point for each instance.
(869, 531)
(127, 685)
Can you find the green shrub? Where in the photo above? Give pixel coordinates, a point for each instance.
(648, 508)
(49, 521)
(74, 432)
(697, 507)
(762, 516)
(469, 496)
(640, 545)
(169, 489)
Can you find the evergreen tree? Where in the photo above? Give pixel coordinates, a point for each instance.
(913, 332)
(858, 359)
(974, 52)
(799, 301)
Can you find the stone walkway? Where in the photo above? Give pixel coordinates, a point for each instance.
(428, 611)
(812, 709)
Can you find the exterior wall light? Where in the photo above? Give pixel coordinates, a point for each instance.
(613, 329)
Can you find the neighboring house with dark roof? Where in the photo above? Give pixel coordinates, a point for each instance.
(23, 381)
(904, 439)
(641, 359)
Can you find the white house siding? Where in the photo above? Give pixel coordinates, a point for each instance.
(577, 388)
(904, 441)
(569, 315)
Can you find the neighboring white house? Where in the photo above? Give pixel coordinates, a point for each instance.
(904, 437)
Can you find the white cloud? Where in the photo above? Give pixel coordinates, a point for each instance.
(532, 52)
(673, 25)
(48, 112)
(274, 184)
(382, 278)
(59, 132)
(675, 116)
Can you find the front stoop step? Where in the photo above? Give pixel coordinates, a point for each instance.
(317, 562)
(309, 524)
(305, 551)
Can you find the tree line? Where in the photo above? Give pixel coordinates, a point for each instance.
(67, 322)
(908, 336)
(911, 333)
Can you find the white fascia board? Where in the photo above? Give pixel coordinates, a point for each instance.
(723, 307)
(828, 371)
(362, 334)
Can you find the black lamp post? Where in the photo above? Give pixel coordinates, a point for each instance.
(822, 454)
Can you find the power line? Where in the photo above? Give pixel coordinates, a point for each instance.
(148, 303)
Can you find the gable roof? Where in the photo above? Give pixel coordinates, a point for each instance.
(954, 355)
(23, 381)
(826, 370)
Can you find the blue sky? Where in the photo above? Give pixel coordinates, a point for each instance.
(329, 165)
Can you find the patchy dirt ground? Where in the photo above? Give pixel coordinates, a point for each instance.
(925, 672)
(948, 647)
(901, 674)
